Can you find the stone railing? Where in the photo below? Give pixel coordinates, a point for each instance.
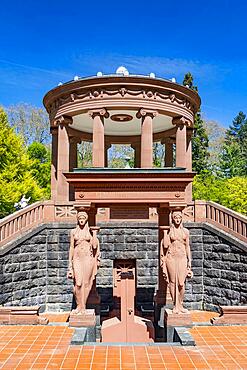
(21, 221)
(16, 224)
(227, 220)
(13, 226)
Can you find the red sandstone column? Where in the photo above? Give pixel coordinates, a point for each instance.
(54, 144)
(73, 161)
(146, 137)
(107, 146)
(189, 149)
(63, 157)
(98, 116)
(168, 153)
(188, 192)
(73, 152)
(181, 141)
(137, 149)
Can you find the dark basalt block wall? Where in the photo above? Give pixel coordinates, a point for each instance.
(136, 241)
(224, 271)
(33, 269)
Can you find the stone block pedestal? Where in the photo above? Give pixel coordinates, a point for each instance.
(172, 320)
(85, 319)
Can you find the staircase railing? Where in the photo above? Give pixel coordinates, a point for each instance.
(16, 224)
(19, 222)
(224, 218)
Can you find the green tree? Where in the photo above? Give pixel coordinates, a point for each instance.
(231, 193)
(233, 160)
(200, 152)
(41, 165)
(235, 130)
(16, 179)
(189, 81)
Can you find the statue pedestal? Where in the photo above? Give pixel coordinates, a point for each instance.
(172, 320)
(83, 319)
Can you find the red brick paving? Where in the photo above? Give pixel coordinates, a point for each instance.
(48, 347)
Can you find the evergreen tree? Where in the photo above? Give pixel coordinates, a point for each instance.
(16, 179)
(200, 153)
(188, 81)
(235, 131)
(233, 160)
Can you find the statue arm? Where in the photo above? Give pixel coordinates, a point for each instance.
(164, 245)
(188, 251)
(71, 255)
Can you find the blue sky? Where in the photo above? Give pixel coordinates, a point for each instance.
(45, 42)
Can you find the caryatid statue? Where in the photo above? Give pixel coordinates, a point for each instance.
(175, 259)
(83, 260)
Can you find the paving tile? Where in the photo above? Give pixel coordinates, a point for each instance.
(49, 348)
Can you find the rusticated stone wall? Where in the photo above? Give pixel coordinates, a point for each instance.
(136, 241)
(24, 272)
(33, 269)
(224, 271)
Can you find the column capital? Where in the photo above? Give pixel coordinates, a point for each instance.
(63, 121)
(190, 131)
(54, 130)
(75, 140)
(181, 121)
(98, 112)
(146, 112)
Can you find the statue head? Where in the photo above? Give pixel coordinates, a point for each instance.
(177, 217)
(82, 218)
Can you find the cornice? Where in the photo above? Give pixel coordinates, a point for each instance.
(89, 94)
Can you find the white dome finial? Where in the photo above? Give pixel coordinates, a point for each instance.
(122, 71)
